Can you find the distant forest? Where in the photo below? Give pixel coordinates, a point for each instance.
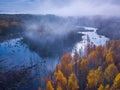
(110, 26)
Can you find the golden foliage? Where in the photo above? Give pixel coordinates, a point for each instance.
(73, 82)
(60, 79)
(107, 87)
(101, 87)
(59, 87)
(67, 64)
(94, 78)
(84, 65)
(49, 86)
(109, 58)
(116, 84)
(96, 57)
(110, 72)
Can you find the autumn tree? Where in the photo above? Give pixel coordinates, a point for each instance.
(60, 79)
(84, 65)
(67, 64)
(97, 57)
(110, 72)
(94, 78)
(101, 87)
(49, 86)
(116, 84)
(89, 48)
(109, 58)
(59, 87)
(73, 82)
(107, 87)
(114, 47)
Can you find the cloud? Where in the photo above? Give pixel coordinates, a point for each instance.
(81, 8)
(62, 7)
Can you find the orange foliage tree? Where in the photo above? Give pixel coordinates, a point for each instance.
(60, 79)
(110, 72)
(73, 82)
(67, 64)
(49, 86)
(94, 78)
(116, 84)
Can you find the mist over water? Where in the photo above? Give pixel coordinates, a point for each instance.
(51, 38)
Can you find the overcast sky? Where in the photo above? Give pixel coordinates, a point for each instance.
(62, 7)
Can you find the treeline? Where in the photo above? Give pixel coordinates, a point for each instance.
(109, 27)
(10, 27)
(98, 69)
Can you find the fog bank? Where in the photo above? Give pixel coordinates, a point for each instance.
(62, 7)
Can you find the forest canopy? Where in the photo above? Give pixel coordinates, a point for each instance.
(99, 69)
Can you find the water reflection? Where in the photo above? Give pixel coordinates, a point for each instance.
(18, 61)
